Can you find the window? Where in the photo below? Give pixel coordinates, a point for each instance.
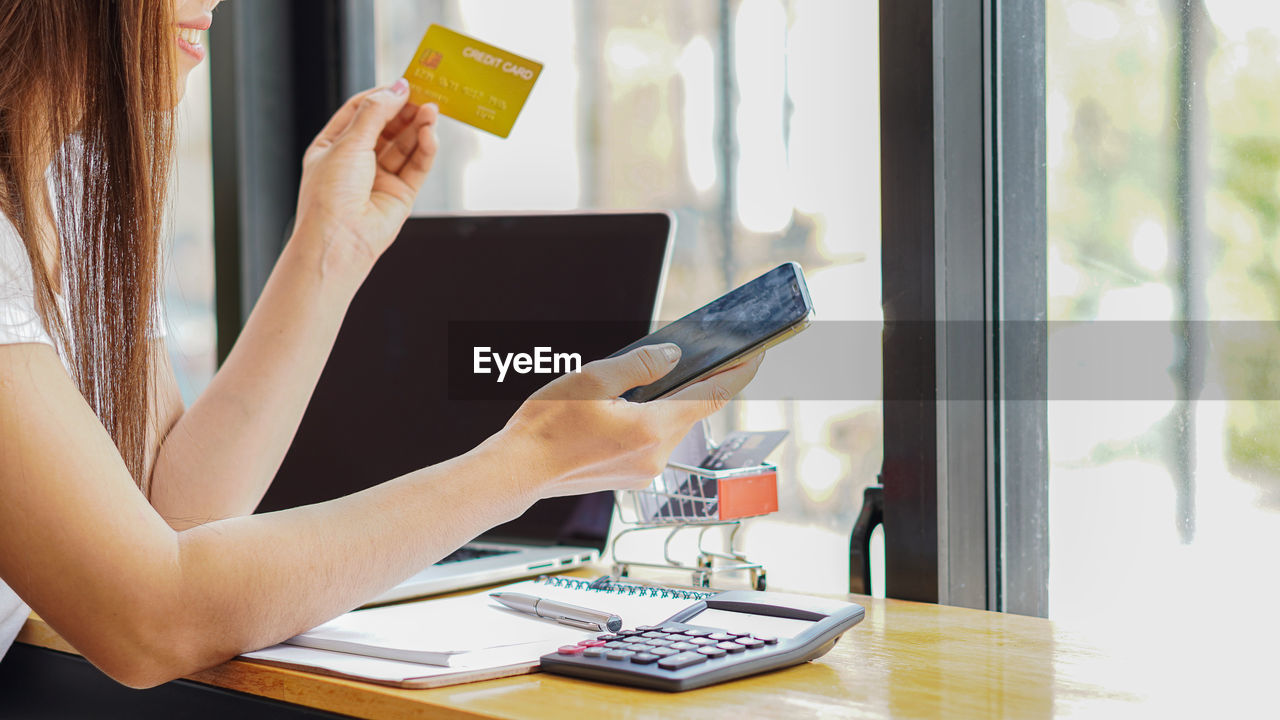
(727, 114)
(188, 280)
(1163, 144)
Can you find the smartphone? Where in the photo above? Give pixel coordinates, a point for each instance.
(745, 321)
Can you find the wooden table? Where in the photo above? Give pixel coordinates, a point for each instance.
(904, 660)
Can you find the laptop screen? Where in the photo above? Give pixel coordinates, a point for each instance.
(400, 391)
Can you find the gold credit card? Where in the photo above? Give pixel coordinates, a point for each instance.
(471, 81)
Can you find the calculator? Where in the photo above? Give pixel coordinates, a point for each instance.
(725, 636)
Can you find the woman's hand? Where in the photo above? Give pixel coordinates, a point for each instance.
(361, 174)
(581, 437)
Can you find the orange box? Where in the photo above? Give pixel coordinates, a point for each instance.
(748, 495)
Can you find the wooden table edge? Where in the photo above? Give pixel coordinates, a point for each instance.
(325, 692)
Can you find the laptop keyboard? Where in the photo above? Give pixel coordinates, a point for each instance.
(471, 553)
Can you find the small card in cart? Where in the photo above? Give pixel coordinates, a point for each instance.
(743, 449)
(737, 483)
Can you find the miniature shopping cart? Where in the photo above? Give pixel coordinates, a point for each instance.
(686, 497)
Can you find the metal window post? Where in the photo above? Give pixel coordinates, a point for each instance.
(962, 193)
(280, 69)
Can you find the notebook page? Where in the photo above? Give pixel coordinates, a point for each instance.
(434, 631)
(521, 659)
(469, 629)
(634, 609)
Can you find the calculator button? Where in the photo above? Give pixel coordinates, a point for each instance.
(644, 658)
(615, 645)
(695, 632)
(736, 634)
(635, 647)
(731, 647)
(649, 628)
(660, 643)
(571, 650)
(721, 637)
(682, 646)
(593, 652)
(592, 643)
(609, 637)
(712, 651)
(673, 629)
(683, 660)
(750, 643)
(701, 642)
(628, 633)
(663, 652)
(617, 654)
(654, 634)
(767, 639)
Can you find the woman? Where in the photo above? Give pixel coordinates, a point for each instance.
(125, 518)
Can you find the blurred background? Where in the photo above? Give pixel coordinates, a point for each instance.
(757, 123)
(1163, 145)
(725, 114)
(721, 112)
(189, 304)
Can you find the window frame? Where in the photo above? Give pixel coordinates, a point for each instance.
(963, 263)
(963, 260)
(279, 71)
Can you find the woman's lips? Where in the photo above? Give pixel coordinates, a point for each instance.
(190, 40)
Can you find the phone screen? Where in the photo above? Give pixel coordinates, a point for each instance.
(737, 322)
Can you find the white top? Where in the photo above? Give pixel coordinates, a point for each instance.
(20, 323)
(19, 320)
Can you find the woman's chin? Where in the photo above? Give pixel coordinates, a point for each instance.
(180, 86)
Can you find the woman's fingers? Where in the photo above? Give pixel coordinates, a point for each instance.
(373, 113)
(709, 396)
(397, 126)
(639, 367)
(395, 152)
(413, 171)
(341, 119)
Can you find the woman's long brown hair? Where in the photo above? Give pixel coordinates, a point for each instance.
(87, 96)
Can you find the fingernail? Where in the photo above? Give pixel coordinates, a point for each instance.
(433, 106)
(671, 351)
(400, 87)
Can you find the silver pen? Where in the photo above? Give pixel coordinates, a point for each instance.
(563, 613)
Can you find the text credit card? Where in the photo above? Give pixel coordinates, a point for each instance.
(471, 81)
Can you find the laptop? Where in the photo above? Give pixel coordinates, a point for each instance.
(400, 391)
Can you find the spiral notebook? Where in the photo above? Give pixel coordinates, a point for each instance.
(466, 638)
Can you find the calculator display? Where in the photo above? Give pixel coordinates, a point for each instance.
(754, 624)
